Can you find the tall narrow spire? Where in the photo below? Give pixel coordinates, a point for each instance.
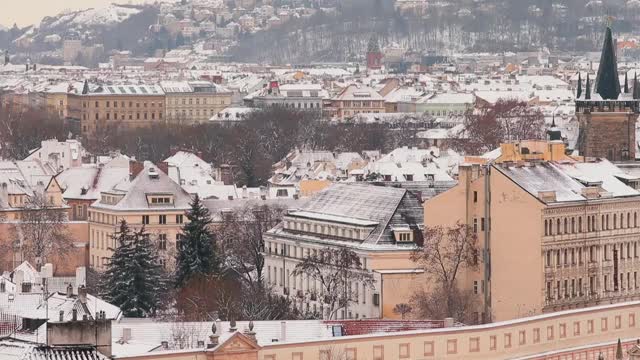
(636, 90)
(85, 88)
(587, 94)
(579, 92)
(626, 83)
(607, 81)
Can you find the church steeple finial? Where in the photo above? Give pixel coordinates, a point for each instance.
(626, 83)
(587, 94)
(607, 81)
(579, 92)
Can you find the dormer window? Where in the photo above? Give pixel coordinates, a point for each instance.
(402, 234)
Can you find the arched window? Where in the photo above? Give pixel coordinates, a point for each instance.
(573, 225)
(558, 227)
(566, 230)
(628, 220)
(546, 229)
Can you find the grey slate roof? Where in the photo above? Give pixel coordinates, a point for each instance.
(568, 179)
(386, 206)
(136, 191)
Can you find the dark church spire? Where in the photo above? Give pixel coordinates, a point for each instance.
(554, 132)
(636, 89)
(579, 92)
(626, 83)
(607, 81)
(587, 94)
(85, 88)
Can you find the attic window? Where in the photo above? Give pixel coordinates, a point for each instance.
(26, 287)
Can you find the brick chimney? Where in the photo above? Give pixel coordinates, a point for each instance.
(135, 168)
(164, 166)
(226, 174)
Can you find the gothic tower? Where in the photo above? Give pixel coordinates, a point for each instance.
(607, 115)
(374, 54)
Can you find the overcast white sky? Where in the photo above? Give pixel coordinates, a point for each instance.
(27, 12)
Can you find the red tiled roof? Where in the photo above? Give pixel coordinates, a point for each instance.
(363, 327)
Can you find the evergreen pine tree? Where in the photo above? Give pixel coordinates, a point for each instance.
(134, 280)
(196, 251)
(619, 354)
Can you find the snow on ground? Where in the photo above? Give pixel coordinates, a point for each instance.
(111, 14)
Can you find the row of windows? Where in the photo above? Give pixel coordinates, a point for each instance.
(574, 224)
(191, 101)
(146, 219)
(302, 105)
(130, 116)
(302, 283)
(101, 240)
(183, 113)
(577, 256)
(162, 219)
(362, 104)
(347, 112)
(329, 230)
(572, 288)
(122, 104)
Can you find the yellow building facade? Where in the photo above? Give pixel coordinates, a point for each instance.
(150, 200)
(556, 233)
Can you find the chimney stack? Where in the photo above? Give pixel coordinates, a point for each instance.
(69, 290)
(61, 318)
(82, 294)
(74, 315)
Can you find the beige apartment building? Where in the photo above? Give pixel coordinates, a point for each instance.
(193, 102)
(375, 222)
(118, 106)
(150, 199)
(555, 232)
(356, 99)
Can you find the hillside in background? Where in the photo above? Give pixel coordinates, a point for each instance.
(443, 27)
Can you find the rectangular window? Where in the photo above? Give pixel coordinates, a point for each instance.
(145, 219)
(162, 241)
(162, 219)
(179, 219)
(475, 196)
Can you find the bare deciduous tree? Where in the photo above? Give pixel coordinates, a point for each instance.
(485, 128)
(42, 230)
(402, 309)
(240, 238)
(333, 352)
(445, 253)
(340, 275)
